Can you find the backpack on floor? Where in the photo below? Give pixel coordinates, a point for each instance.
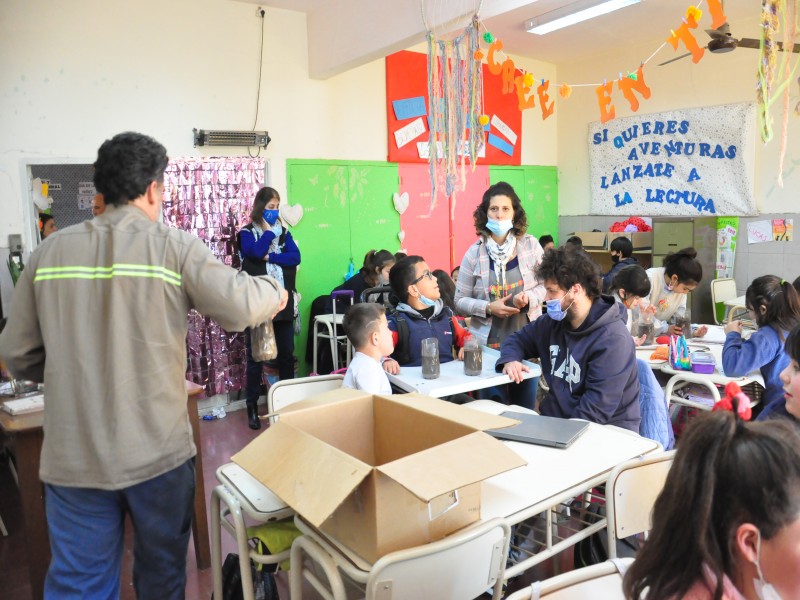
(264, 585)
(594, 549)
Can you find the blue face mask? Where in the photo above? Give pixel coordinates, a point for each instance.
(426, 301)
(554, 310)
(499, 228)
(271, 217)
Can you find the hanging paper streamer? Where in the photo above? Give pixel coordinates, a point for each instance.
(455, 94)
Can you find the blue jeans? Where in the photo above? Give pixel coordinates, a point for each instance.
(87, 534)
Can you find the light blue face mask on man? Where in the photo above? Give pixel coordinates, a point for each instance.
(499, 228)
(426, 301)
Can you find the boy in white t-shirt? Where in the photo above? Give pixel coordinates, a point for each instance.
(366, 328)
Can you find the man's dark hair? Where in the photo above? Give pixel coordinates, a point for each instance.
(402, 275)
(546, 239)
(481, 214)
(570, 266)
(360, 321)
(574, 242)
(622, 245)
(126, 164)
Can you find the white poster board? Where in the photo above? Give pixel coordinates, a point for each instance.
(691, 162)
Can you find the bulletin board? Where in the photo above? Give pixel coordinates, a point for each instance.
(407, 106)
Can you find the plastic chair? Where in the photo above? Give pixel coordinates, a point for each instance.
(289, 391)
(242, 494)
(631, 492)
(325, 328)
(458, 567)
(721, 290)
(603, 580)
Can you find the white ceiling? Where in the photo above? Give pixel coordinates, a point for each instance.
(344, 34)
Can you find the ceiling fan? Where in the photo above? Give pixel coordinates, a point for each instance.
(722, 41)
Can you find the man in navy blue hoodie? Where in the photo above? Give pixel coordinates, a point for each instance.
(587, 354)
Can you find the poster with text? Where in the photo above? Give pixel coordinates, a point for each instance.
(727, 230)
(691, 162)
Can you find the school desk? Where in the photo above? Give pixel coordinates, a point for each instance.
(552, 485)
(452, 379)
(680, 379)
(24, 436)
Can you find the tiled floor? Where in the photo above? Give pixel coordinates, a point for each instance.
(220, 439)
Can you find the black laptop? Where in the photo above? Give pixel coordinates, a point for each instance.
(544, 431)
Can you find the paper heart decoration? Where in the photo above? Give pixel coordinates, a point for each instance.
(401, 236)
(291, 214)
(401, 202)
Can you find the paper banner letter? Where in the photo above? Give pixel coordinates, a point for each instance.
(682, 34)
(509, 71)
(543, 99)
(495, 68)
(525, 101)
(607, 110)
(627, 85)
(717, 14)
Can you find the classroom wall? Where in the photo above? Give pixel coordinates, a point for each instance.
(716, 79)
(73, 74)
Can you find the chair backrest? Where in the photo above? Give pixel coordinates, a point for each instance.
(603, 580)
(459, 567)
(722, 289)
(289, 391)
(631, 492)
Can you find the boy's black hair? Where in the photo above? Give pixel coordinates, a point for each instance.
(622, 245)
(402, 275)
(546, 239)
(633, 279)
(360, 321)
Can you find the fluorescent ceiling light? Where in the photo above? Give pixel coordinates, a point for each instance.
(574, 13)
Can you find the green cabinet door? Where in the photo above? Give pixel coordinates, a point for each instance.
(374, 222)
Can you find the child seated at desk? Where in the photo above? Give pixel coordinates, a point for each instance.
(631, 287)
(420, 314)
(776, 308)
(670, 286)
(366, 328)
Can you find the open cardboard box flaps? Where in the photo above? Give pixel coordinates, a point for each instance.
(367, 468)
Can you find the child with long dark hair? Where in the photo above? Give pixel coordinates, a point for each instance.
(727, 522)
(670, 286)
(775, 306)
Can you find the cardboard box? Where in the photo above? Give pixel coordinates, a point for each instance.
(642, 240)
(380, 473)
(593, 240)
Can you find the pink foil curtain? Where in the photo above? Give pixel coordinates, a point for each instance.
(211, 198)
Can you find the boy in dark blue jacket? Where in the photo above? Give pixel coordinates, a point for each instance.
(420, 314)
(587, 354)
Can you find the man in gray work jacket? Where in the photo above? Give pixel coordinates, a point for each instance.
(99, 316)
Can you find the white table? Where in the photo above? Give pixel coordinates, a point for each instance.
(452, 380)
(545, 486)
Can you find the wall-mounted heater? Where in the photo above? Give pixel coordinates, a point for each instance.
(208, 137)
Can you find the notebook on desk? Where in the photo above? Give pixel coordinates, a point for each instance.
(544, 431)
